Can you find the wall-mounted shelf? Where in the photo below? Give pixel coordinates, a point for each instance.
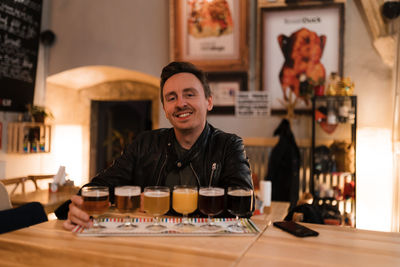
(28, 137)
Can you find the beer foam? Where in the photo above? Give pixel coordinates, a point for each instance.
(94, 193)
(211, 192)
(156, 194)
(240, 193)
(127, 191)
(185, 191)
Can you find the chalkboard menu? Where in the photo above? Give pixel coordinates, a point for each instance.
(19, 44)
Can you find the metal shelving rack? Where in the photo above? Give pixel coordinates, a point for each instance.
(343, 131)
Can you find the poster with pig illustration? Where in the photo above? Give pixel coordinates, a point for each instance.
(300, 47)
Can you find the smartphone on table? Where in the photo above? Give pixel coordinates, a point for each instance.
(295, 229)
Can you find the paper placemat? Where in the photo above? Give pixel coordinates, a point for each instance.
(111, 228)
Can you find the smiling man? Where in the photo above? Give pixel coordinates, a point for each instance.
(192, 152)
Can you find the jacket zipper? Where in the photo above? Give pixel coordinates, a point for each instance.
(162, 167)
(213, 168)
(195, 174)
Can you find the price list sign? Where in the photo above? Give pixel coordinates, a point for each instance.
(19, 44)
(252, 104)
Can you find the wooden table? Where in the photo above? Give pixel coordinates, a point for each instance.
(49, 200)
(335, 246)
(48, 244)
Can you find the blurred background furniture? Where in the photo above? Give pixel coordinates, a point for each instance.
(49, 200)
(258, 150)
(16, 182)
(333, 173)
(20, 181)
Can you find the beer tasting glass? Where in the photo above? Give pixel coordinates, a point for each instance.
(127, 199)
(211, 203)
(240, 203)
(184, 201)
(95, 203)
(156, 203)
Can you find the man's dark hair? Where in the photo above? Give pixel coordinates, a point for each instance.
(180, 67)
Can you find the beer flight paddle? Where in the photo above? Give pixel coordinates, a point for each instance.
(185, 200)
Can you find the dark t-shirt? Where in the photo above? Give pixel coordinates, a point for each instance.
(181, 176)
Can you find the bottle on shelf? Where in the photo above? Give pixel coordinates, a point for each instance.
(26, 144)
(34, 146)
(331, 117)
(352, 115)
(343, 112)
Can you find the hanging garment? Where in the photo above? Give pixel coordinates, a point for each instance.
(284, 165)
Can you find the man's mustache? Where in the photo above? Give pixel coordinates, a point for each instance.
(180, 110)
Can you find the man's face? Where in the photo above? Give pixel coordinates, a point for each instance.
(185, 104)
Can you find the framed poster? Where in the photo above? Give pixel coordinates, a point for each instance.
(225, 87)
(212, 34)
(301, 46)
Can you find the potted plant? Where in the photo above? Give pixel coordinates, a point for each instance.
(39, 113)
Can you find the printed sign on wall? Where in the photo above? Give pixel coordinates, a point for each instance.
(252, 104)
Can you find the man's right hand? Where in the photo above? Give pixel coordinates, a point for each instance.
(76, 216)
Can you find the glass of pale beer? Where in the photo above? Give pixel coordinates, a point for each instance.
(184, 201)
(240, 203)
(127, 199)
(95, 202)
(156, 203)
(211, 203)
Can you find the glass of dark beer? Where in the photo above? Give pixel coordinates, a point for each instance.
(127, 199)
(211, 203)
(156, 203)
(95, 202)
(240, 203)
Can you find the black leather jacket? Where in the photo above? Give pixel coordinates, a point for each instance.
(217, 159)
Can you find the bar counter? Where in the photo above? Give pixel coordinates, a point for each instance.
(48, 244)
